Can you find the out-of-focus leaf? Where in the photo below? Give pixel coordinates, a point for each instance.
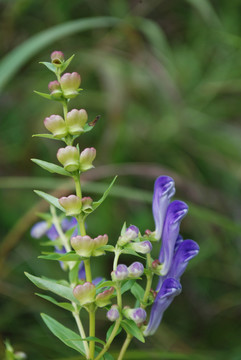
(50, 199)
(52, 168)
(66, 306)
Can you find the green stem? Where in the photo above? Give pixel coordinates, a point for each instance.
(125, 346)
(81, 329)
(59, 229)
(117, 255)
(149, 278)
(92, 333)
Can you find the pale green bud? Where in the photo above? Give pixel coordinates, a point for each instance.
(83, 245)
(85, 293)
(55, 90)
(56, 125)
(72, 204)
(57, 57)
(70, 84)
(87, 156)
(103, 298)
(76, 120)
(69, 158)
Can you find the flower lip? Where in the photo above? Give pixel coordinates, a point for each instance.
(189, 249)
(178, 210)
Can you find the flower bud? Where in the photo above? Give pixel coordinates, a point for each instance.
(57, 57)
(138, 315)
(121, 273)
(136, 269)
(87, 156)
(87, 204)
(143, 247)
(70, 84)
(85, 293)
(83, 245)
(55, 89)
(113, 314)
(103, 298)
(72, 204)
(76, 120)
(69, 158)
(131, 233)
(56, 125)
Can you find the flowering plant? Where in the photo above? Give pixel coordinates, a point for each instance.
(76, 250)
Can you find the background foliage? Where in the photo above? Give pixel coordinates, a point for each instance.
(166, 78)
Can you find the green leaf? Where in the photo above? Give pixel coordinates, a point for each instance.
(107, 248)
(88, 128)
(137, 291)
(49, 65)
(127, 286)
(109, 331)
(51, 285)
(64, 334)
(44, 216)
(74, 274)
(46, 136)
(44, 95)
(66, 306)
(52, 168)
(93, 338)
(99, 202)
(123, 229)
(50, 199)
(131, 328)
(129, 251)
(56, 242)
(66, 63)
(105, 284)
(70, 256)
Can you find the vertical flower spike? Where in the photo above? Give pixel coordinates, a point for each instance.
(175, 213)
(70, 84)
(85, 293)
(164, 189)
(56, 125)
(87, 156)
(170, 288)
(76, 120)
(69, 158)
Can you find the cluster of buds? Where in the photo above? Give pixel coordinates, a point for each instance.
(131, 239)
(73, 125)
(71, 160)
(122, 272)
(86, 246)
(73, 205)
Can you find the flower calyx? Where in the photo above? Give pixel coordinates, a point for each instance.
(86, 246)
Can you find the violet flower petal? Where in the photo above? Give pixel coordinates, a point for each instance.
(164, 189)
(170, 288)
(52, 233)
(187, 250)
(39, 229)
(175, 213)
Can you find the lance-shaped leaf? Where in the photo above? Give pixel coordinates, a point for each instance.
(66, 306)
(52, 168)
(175, 213)
(49, 65)
(51, 285)
(164, 189)
(187, 250)
(67, 336)
(170, 288)
(66, 63)
(131, 328)
(70, 256)
(100, 201)
(46, 136)
(50, 199)
(44, 95)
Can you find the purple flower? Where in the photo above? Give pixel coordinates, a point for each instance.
(136, 269)
(164, 189)
(39, 229)
(175, 213)
(170, 288)
(113, 314)
(187, 250)
(121, 273)
(138, 315)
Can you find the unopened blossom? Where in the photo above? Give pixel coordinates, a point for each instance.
(143, 247)
(56, 125)
(131, 233)
(69, 158)
(55, 89)
(76, 120)
(86, 246)
(72, 204)
(136, 269)
(87, 156)
(121, 273)
(103, 298)
(70, 84)
(138, 315)
(113, 314)
(57, 57)
(85, 293)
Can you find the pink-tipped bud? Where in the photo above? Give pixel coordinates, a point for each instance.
(121, 273)
(57, 57)
(99, 242)
(156, 267)
(83, 245)
(136, 269)
(143, 247)
(55, 89)
(87, 156)
(138, 315)
(103, 298)
(56, 125)
(72, 204)
(131, 233)
(113, 314)
(69, 158)
(87, 204)
(85, 293)
(70, 84)
(76, 120)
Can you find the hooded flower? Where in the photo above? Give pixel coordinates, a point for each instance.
(170, 288)
(187, 250)
(175, 213)
(164, 189)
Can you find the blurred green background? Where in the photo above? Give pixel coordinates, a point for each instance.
(165, 76)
